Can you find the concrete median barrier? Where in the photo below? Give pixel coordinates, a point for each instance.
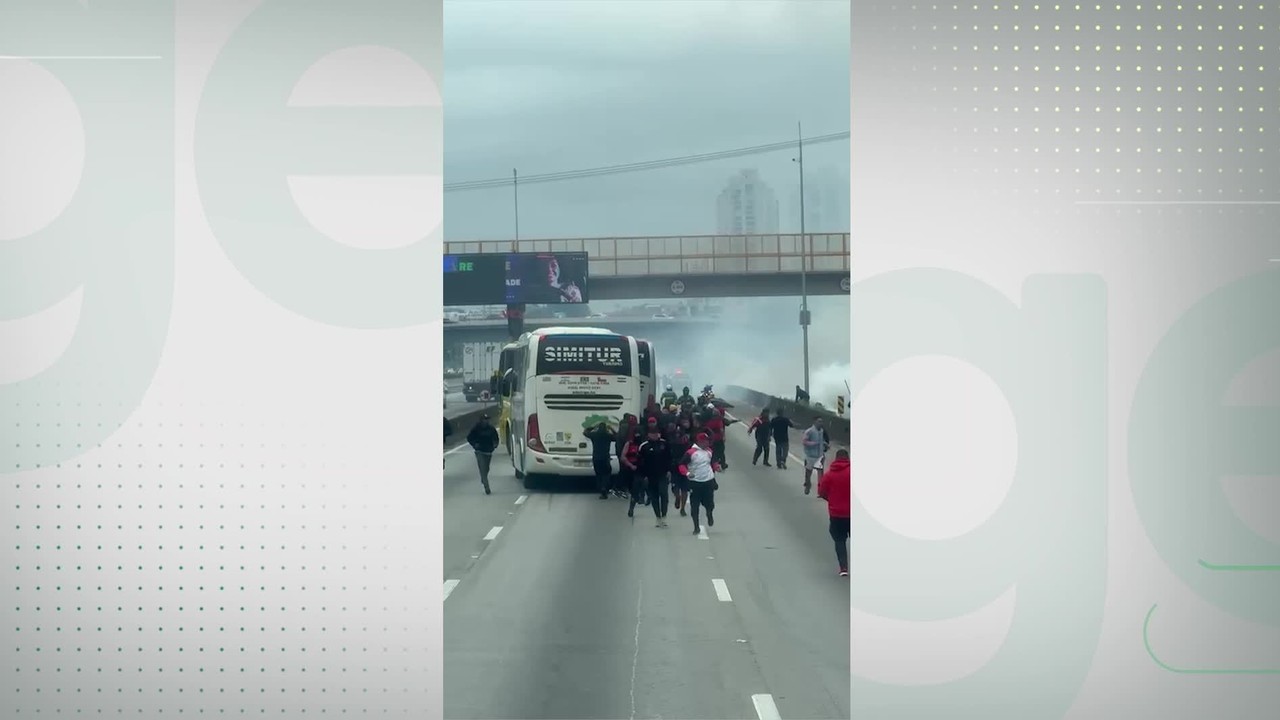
(748, 402)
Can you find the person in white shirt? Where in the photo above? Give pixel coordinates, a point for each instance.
(701, 469)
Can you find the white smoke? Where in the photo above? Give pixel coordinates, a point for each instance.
(758, 345)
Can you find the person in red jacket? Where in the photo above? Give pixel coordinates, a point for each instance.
(715, 426)
(834, 488)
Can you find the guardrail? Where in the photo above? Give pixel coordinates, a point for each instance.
(687, 254)
(837, 426)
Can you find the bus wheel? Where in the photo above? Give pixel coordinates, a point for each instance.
(508, 436)
(530, 482)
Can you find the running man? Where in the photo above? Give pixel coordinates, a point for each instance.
(483, 438)
(626, 431)
(760, 429)
(681, 443)
(629, 461)
(781, 426)
(701, 470)
(834, 488)
(815, 443)
(654, 465)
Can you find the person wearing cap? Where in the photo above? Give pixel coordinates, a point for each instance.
(700, 468)
(654, 464)
(483, 438)
(834, 488)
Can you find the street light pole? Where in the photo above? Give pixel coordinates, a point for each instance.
(515, 196)
(804, 262)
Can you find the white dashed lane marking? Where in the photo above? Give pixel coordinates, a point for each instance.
(449, 585)
(766, 709)
(520, 500)
(722, 590)
(493, 533)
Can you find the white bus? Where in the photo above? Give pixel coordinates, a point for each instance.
(647, 373)
(563, 381)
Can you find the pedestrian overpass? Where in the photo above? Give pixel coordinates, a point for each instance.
(696, 266)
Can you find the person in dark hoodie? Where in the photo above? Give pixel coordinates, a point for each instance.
(781, 426)
(602, 438)
(629, 459)
(626, 479)
(680, 441)
(483, 438)
(654, 465)
(835, 489)
(759, 428)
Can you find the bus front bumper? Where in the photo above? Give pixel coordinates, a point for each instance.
(566, 465)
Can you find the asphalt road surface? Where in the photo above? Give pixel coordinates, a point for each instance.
(559, 606)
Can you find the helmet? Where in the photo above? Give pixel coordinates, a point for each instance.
(669, 389)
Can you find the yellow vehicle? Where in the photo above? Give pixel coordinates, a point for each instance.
(505, 362)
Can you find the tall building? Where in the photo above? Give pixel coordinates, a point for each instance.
(826, 202)
(747, 206)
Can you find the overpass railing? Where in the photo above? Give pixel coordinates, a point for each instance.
(687, 254)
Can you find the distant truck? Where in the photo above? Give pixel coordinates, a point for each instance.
(479, 362)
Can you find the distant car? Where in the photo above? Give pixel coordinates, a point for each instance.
(663, 316)
(597, 315)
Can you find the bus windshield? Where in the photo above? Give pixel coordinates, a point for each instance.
(584, 355)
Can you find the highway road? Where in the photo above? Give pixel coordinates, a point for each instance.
(559, 606)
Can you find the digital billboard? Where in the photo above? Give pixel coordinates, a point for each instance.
(516, 278)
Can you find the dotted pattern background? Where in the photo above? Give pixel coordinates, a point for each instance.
(1092, 101)
(198, 565)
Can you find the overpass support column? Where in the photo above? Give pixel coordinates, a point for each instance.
(515, 320)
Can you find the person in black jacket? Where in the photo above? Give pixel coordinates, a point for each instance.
(781, 426)
(602, 438)
(761, 430)
(654, 465)
(483, 438)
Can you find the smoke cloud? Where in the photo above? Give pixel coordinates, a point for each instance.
(758, 344)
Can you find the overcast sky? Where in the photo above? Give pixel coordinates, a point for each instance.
(548, 86)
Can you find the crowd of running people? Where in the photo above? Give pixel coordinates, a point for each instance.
(670, 456)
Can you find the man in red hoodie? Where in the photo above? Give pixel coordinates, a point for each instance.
(834, 488)
(715, 426)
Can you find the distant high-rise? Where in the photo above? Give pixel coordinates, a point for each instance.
(826, 202)
(747, 206)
